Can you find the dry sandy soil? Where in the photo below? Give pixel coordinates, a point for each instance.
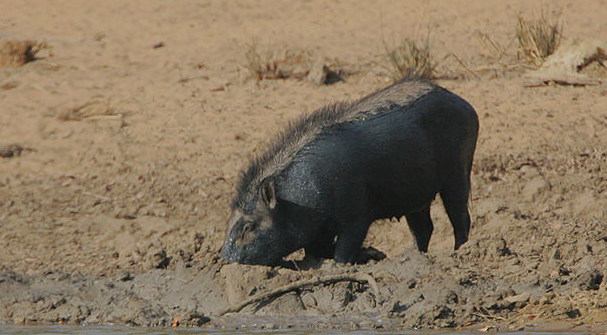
(123, 140)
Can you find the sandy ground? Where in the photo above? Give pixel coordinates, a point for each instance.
(129, 130)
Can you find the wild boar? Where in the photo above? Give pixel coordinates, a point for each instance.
(329, 175)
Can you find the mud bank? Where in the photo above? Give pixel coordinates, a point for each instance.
(488, 282)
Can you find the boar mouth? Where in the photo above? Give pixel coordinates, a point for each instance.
(242, 259)
(241, 255)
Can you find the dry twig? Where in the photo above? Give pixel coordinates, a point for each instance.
(355, 277)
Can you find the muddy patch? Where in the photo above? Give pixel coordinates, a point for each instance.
(484, 283)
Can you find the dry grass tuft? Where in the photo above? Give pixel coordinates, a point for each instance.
(277, 64)
(539, 38)
(411, 58)
(15, 53)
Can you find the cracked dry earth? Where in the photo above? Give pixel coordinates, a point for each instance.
(122, 141)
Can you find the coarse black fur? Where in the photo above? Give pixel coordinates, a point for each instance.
(331, 173)
(295, 130)
(315, 122)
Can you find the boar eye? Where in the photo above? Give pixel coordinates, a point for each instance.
(247, 228)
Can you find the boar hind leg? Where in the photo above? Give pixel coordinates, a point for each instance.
(420, 225)
(455, 199)
(349, 241)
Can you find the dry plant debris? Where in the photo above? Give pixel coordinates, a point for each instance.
(539, 38)
(411, 57)
(284, 63)
(494, 50)
(15, 52)
(277, 63)
(95, 108)
(355, 277)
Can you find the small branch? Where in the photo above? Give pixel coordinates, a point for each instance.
(315, 281)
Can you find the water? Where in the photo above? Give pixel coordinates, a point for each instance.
(115, 330)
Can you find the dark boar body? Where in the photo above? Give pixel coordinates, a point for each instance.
(324, 180)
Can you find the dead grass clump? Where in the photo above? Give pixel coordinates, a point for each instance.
(411, 58)
(96, 108)
(17, 53)
(539, 38)
(277, 64)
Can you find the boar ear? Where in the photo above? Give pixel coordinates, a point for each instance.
(268, 193)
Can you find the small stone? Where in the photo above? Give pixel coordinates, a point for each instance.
(398, 307)
(452, 298)
(124, 275)
(590, 280)
(557, 254)
(574, 313)
(158, 259)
